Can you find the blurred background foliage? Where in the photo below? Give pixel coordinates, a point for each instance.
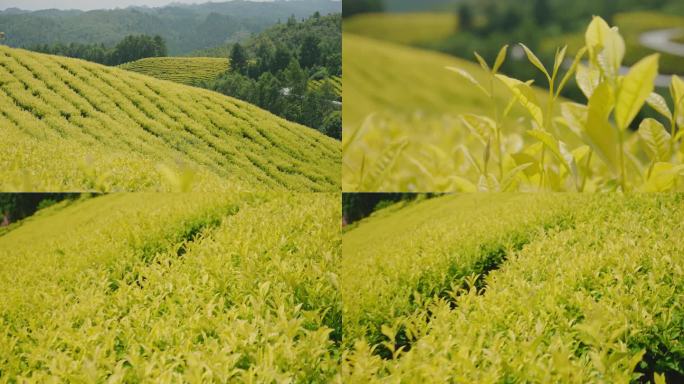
(460, 27)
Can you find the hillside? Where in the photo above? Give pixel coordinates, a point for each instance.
(516, 288)
(185, 28)
(73, 125)
(380, 76)
(184, 70)
(173, 288)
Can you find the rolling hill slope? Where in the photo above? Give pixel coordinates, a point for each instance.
(73, 125)
(136, 287)
(184, 70)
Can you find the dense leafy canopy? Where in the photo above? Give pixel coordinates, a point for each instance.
(131, 48)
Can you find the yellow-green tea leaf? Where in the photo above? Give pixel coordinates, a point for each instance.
(466, 75)
(658, 103)
(500, 58)
(525, 96)
(656, 140)
(598, 131)
(535, 61)
(588, 79)
(482, 62)
(634, 89)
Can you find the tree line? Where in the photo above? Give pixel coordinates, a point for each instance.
(356, 206)
(274, 71)
(131, 48)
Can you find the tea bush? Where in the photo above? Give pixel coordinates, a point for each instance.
(588, 289)
(173, 288)
(555, 145)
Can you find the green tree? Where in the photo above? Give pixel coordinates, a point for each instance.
(295, 78)
(465, 18)
(541, 12)
(332, 125)
(136, 47)
(160, 46)
(238, 58)
(353, 7)
(281, 59)
(310, 54)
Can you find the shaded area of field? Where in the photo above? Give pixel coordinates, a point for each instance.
(72, 125)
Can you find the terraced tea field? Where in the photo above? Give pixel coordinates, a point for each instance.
(565, 288)
(173, 288)
(404, 28)
(70, 125)
(184, 70)
(335, 81)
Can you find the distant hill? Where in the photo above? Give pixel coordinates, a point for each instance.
(184, 70)
(71, 125)
(185, 28)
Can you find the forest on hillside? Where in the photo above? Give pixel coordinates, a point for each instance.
(275, 70)
(185, 28)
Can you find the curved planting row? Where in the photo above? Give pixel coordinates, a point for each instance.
(184, 70)
(72, 125)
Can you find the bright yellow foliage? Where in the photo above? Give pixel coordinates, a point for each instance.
(184, 70)
(72, 125)
(173, 288)
(564, 288)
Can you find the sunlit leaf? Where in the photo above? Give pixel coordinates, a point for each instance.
(588, 79)
(658, 103)
(634, 89)
(656, 140)
(535, 61)
(466, 75)
(482, 61)
(525, 96)
(598, 131)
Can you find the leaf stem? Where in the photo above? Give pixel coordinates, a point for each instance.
(497, 126)
(621, 153)
(586, 175)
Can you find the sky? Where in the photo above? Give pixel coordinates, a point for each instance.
(89, 4)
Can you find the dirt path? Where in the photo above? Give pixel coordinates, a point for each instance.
(661, 40)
